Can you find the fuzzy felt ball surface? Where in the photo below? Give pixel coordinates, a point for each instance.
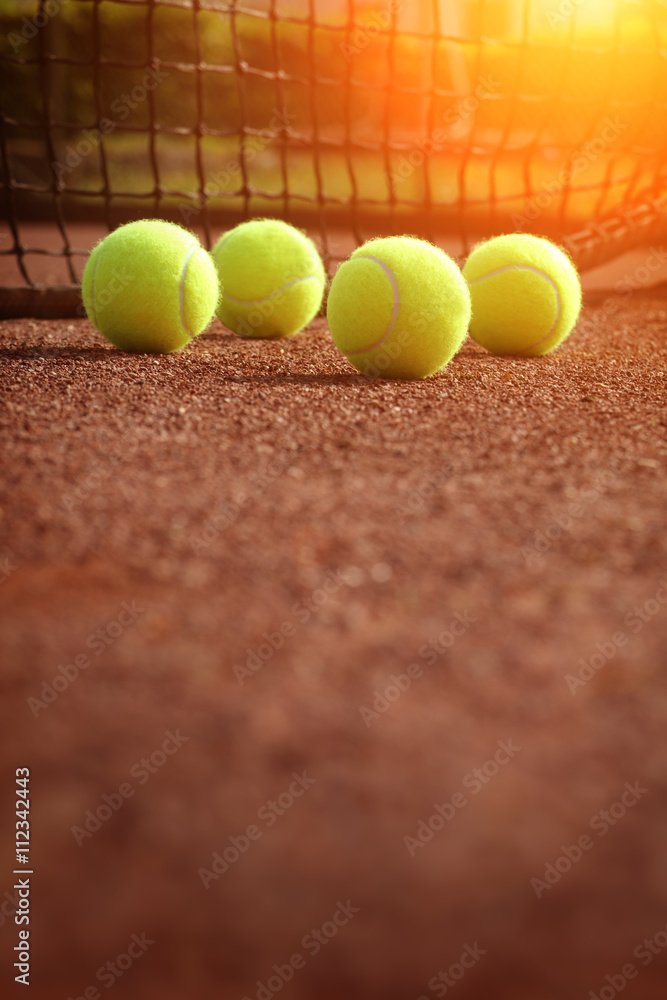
(272, 278)
(150, 286)
(526, 295)
(398, 308)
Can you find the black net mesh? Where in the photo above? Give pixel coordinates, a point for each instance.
(450, 119)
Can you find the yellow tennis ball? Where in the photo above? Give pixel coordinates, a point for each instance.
(399, 307)
(150, 286)
(272, 277)
(526, 295)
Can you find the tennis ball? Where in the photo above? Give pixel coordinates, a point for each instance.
(399, 307)
(272, 277)
(526, 295)
(150, 286)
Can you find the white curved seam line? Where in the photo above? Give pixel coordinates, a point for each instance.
(279, 291)
(397, 306)
(181, 292)
(535, 270)
(223, 242)
(92, 288)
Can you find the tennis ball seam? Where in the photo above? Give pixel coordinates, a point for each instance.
(396, 305)
(279, 291)
(542, 274)
(181, 289)
(273, 295)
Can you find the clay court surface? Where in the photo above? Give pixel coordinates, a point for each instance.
(223, 492)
